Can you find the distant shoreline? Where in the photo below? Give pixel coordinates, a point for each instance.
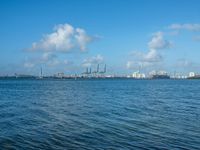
(83, 78)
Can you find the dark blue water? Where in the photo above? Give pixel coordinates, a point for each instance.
(100, 114)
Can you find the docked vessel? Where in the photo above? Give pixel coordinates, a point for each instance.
(160, 75)
(157, 76)
(194, 77)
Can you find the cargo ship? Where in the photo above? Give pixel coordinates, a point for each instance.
(194, 77)
(157, 76)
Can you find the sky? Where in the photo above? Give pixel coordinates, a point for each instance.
(127, 35)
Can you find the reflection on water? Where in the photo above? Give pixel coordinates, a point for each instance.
(99, 114)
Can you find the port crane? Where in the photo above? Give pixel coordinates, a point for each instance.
(104, 70)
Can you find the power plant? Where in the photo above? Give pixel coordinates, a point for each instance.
(95, 73)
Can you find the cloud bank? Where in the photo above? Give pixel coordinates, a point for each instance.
(48, 58)
(153, 56)
(64, 38)
(88, 62)
(158, 42)
(188, 26)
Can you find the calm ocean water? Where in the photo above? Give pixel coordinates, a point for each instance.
(100, 114)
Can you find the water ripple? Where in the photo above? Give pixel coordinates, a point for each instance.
(99, 114)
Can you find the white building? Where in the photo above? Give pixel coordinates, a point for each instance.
(60, 75)
(191, 74)
(162, 72)
(138, 75)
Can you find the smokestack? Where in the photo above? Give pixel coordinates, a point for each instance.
(86, 70)
(105, 68)
(97, 68)
(90, 70)
(41, 71)
(139, 68)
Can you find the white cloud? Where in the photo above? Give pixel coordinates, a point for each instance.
(153, 56)
(173, 33)
(138, 64)
(158, 42)
(82, 38)
(143, 60)
(188, 26)
(131, 65)
(92, 60)
(29, 65)
(48, 58)
(64, 38)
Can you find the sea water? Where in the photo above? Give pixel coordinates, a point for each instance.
(100, 114)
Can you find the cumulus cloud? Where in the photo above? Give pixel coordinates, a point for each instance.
(158, 42)
(64, 38)
(48, 58)
(29, 65)
(138, 64)
(82, 38)
(133, 65)
(188, 26)
(144, 59)
(151, 57)
(92, 61)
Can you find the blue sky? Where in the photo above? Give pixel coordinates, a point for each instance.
(68, 36)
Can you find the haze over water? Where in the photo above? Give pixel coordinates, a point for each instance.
(99, 114)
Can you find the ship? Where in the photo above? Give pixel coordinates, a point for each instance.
(194, 77)
(162, 76)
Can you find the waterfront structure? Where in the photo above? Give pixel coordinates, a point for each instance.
(87, 72)
(96, 73)
(60, 75)
(138, 75)
(101, 73)
(159, 75)
(192, 74)
(104, 70)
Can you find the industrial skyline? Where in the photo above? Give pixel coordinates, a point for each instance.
(102, 73)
